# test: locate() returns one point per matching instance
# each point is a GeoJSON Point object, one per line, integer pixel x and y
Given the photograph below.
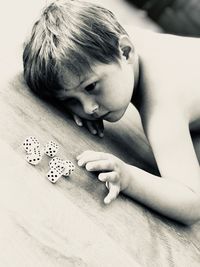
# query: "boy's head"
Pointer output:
{"type": "Point", "coordinates": [72, 35]}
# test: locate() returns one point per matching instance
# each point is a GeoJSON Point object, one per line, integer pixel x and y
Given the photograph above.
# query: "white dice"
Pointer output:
{"type": "Point", "coordinates": [51, 149]}
{"type": "Point", "coordinates": [59, 167]}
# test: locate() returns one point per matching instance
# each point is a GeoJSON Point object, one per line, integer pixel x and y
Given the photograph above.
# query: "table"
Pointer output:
{"type": "Point", "coordinates": [67, 224]}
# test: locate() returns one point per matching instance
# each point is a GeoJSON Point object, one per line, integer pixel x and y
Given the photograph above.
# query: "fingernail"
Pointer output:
{"type": "Point", "coordinates": [88, 167]}
{"type": "Point", "coordinates": [80, 123]}
{"type": "Point", "coordinates": [80, 163]}
{"type": "Point", "coordinates": [100, 179]}
{"type": "Point", "coordinates": [101, 135]}
{"type": "Point", "coordinates": [106, 201]}
{"type": "Point", "coordinates": [94, 131]}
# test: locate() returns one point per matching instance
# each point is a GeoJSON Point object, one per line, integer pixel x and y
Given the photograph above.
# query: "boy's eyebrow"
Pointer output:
{"type": "Point", "coordinates": [81, 82]}
{"type": "Point", "coordinates": [63, 97]}
{"type": "Point", "coordinates": [68, 87]}
{"type": "Point", "coordinates": [86, 80]}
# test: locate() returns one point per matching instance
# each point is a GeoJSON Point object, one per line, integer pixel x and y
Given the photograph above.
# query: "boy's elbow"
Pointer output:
{"type": "Point", "coordinates": [192, 213]}
{"type": "Point", "coordinates": [190, 221]}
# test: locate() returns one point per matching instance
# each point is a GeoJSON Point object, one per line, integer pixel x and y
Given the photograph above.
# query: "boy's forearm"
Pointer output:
{"type": "Point", "coordinates": [166, 196]}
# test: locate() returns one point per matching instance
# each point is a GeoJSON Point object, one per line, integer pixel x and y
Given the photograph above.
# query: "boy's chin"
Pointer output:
{"type": "Point", "coordinates": [111, 119]}
{"type": "Point", "coordinates": [114, 116]}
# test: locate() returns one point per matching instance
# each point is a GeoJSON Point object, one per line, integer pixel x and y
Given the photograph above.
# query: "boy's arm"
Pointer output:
{"type": "Point", "coordinates": [169, 136]}
{"type": "Point", "coordinates": [164, 195]}
{"type": "Point", "coordinates": [176, 193]}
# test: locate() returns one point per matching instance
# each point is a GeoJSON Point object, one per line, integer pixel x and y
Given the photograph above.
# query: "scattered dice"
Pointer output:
{"type": "Point", "coordinates": [54, 174]}
{"type": "Point", "coordinates": [33, 150]}
{"type": "Point", "coordinates": [56, 162]}
{"type": "Point", "coordinates": [69, 167]}
{"type": "Point", "coordinates": [51, 149]}
{"type": "Point", "coordinates": [59, 167]}
{"type": "Point", "coordinates": [35, 157]}
{"type": "Point", "coordinates": [30, 143]}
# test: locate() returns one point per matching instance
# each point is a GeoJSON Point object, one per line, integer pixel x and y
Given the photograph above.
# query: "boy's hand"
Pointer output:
{"type": "Point", "coordinates": [112, 170]}
{"type": "Point", "coordinates": [94, 127]}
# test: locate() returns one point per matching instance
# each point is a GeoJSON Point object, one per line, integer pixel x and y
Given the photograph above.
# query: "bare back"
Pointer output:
{"type": "Point", "coordinates": [170, 72]}
{"type": "Point", "coordinates": [170, 102]}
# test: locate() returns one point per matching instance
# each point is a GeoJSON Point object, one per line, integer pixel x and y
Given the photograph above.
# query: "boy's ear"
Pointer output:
{"type": "Point", "coordinates": [126, 48]}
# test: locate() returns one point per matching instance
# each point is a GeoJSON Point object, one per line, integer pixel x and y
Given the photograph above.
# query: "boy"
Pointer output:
{"type": "Point", "coordinates": [79, 54]}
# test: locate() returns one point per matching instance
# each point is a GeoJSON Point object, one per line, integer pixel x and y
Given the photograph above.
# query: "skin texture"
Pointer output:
{"type": "Point", "coordinates": [113, 169]}
{"type": "Point", "coordinates": [90, 97]}
{"type": "Point", "coordinates": [167, 98]}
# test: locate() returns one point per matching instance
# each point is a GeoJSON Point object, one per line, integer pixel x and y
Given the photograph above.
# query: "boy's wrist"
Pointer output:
{"type": "Point", "coordinates": [128, 178]}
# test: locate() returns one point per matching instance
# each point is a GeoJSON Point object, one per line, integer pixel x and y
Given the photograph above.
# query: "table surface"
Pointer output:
{"type": "Point", "coordinates": [67, 224]}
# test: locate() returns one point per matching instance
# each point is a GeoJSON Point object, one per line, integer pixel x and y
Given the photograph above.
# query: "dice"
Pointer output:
{"type": "Point", "coordinates": [56, 162]}
{"type": "Point", "coordinates": [34, 154]}
{"type": "Point", "coordinates": [51, 149]}
{"type": "Point", "coordinates": [59, 167]}
{"type": "Point", "coordinates": [30, 143]}
{"type": "Point", "coordinates": [35, 157]}
{"type": "Point", "coordinates": [54, 174]}
{"type": "Point", "coordinates": [33, 150]}
{"type": "Point", "coordinates": [68, 167]}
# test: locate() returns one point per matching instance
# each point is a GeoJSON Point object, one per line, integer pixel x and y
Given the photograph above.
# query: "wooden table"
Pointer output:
{"type": "Point", "coordinates": [67, 224]}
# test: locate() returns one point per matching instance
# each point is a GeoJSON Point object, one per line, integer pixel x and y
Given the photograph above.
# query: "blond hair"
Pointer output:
{"type": "Point", "coordinates": [71, 34]}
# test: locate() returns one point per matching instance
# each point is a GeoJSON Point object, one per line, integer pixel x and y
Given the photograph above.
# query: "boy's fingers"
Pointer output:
{"type": "Point", "coordinates": [99, 165]}
{"type": "Point", "coordinates": [113, 193]}
{"type": "Point", "coordinates": [91, 127]}
{"type": "Point", "coordinates": [90, 155]}
{"type": "Point", "coordinates": [77, 120]}
{"type": "Point", "coordinates": [95, 127]}
{"type": "Point", "coordinates": [100, 128]}
{"type": "Point", "coordinates": [108, 176]}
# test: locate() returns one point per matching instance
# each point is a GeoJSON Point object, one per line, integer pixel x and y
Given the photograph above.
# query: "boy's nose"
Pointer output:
{"type": "Point", "coordinates": [90, 107]}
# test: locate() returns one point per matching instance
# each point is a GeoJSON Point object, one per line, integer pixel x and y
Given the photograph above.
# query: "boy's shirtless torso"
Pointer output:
{"type": "Point", "coordinates": [170, 68]}
{"type": "Point", "coordinates": [170, 103]}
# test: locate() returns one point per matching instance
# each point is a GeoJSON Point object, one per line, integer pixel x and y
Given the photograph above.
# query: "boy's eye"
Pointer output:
{"type": "Point", "coordinates": [90, 87]}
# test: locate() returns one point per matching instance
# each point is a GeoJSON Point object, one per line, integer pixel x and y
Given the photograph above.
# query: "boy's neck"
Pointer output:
{"type": "Point", "coordinates": [136, 97]}
{"type": "Point", "coordinates": [136, 69]}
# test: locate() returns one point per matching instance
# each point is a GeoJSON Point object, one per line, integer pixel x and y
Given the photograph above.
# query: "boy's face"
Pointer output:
{"type": "Point", "coordinates": [103, 93]}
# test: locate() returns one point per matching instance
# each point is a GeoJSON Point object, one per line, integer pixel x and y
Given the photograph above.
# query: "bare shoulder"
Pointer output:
{"type": "Point", "coordinates": [169, 71]}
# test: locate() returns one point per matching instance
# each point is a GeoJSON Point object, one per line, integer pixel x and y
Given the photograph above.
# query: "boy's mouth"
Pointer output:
{"type": "Point", "coordinates": [97, 116]}
{"type": "Point", "coordinates": [105, 115]}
